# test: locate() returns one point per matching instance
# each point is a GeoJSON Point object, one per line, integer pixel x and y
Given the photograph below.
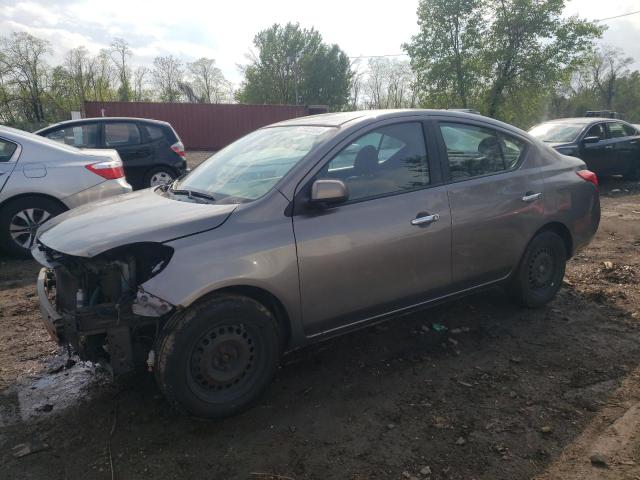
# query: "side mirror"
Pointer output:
{"type": "Point", "coordinates": [591, 139]}
{"type": "Point", "coordinates": [329, 192]}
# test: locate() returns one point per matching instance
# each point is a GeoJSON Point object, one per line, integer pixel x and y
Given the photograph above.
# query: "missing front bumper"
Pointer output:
{"type": "Point", "coordinates": [111, 334]}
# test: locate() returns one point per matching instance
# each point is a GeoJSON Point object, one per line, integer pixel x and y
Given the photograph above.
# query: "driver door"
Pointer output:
{"type": "Point", "coordinates": [370, 255]}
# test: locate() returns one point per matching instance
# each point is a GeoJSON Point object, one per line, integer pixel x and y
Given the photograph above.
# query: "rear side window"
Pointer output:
{"type": "Point", "coordinates": [80, 136]}
{"type": "Point", "coordinates": [387, 160]}
{"type": "Point", "coordinates": [629, 130]}
{"type": "Point", "coordinates": [475, 151]}
{"type": "Point", "coordinates": [119, 134]}
{"type": "Point", "coordinates": [616, 130]}
{"type": "Point", "coordinates": [7, 149]}
{"type": "Point", "coordinates": [155, 133]}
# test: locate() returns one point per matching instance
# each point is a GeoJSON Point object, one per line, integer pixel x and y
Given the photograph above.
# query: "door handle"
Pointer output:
{"type": "Point", "coordinates": [425, 219]}
{"type": "Point", "coordinates": [531, 197]}
{"type": "Point", "coordinates": [608, 147]}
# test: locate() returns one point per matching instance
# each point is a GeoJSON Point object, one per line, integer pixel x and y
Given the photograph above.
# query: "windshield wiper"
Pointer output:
{"type": "Point", "coordinates": [193, 194]}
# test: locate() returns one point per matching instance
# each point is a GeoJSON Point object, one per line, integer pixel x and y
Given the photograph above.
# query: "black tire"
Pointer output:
{"type": "Point", "coordinates": [217, 357]}
{"type": "Point", "coordinates": [12, 214]}
{"type": "Point", "coordinates": [541, 270]}
{"type": "Point", "coordinates": [160, 171]}
{"type": "Point", "coordinates": [634, 171]}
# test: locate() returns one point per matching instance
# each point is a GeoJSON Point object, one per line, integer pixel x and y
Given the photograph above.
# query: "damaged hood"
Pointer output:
{"type": "Point", "coordinates": [143, 216]}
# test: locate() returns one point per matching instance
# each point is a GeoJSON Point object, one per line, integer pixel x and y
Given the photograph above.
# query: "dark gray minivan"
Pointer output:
{"type": "Point", "coordinates": [306, 229]}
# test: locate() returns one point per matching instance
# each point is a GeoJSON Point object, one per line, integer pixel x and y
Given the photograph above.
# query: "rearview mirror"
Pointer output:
{"type": "Point", "coordinates": [591, 139]}
{"type": "Point", "coordinates": [329, 192]}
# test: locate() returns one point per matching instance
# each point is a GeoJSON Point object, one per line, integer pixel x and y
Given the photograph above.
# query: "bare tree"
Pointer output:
{"type": "Point", "coordinates": [608, 66]}
{"type": "Point", "coordinates": [167, 75]}
{"type": "Point", "coordinates": [389, 84]}
{"type": "Point", "coordinates": [208, 82]}
{"type": "Point", "coordinates": [77, 64]}
{"type": "Point", "coordinates": [120, 53]}
{"type": "Point", "coordinates": [139, 82]}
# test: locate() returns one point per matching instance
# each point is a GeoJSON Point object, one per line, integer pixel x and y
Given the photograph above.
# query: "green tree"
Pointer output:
{"type": "Point", "coordinates": [502, 57]}
{"type": "Point", "coordinates": [445, 53]}
{"type": "Point", "coordinates": [294, 66]}
{"type": "Point", "coordinates": [530, 46]}
{"type": "Point", "coordinates": [24, 60]}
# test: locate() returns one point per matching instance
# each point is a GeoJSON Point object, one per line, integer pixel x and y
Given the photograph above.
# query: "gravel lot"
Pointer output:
{"type": "Point", "coordinates": [504, 393]}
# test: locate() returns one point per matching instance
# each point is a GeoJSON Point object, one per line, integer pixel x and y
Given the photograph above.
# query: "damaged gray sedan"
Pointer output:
{"type": "Point", "coordinates": [303, 230]}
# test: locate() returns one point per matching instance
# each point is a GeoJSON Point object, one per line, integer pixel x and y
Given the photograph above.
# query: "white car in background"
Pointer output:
{"type": "Point", "coordinates": [40, 178]}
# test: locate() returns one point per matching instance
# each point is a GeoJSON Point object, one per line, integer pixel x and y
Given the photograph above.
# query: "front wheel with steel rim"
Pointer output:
{"type": "Point", "coordinates": [541, 270]}
{"type": "Point", "coordinates": [218, 356]}
{"type": "Point", "coordinates": [20, 220]}
{"type": "Point", "coordinates": [159, 176]}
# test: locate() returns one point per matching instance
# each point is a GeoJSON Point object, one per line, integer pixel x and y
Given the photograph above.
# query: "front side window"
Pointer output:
{"type": "Point", "coordinates": [80, 136]}
{"type": "Point", "coordinates": [388, 160]}
{"type": "Point", "coordinates": [250, 167]}
{"type": "Point", "coordinates": [475, 151]}
{"type": "Point", "coordinates": [597, 130]}
{"type": "Point", "coordinates": [119, 134]}
{"type": "Point", "coordinates": [7, 149]}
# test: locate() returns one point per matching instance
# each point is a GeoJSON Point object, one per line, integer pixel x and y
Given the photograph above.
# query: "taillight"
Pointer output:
{"type": "Point", "coordinates": [588, 176]}
{"type": "Point", "coordinates": [178, 147]}
{"type": "Point", "coordinates": [109, 170]}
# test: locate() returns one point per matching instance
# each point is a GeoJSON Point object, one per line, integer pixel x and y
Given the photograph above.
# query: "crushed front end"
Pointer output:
{"type": "Point", "coordinates": [97, 306]}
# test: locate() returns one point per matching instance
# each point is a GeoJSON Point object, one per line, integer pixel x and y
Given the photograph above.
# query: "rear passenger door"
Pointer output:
{"type": "Point", "coordinates": [495, 193]}
{"type": "Point", "coordinates": [132, 145]}
{"type": "Point", "coordinates": [626, 147]}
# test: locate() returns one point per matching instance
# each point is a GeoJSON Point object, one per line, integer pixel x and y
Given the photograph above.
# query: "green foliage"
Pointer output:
{"type": "Point", "coordinates": [294, 66]}
{"type": "Point", "coordinates": [501, 57]}
{"type": "Point", "coordinates": [445, 53]}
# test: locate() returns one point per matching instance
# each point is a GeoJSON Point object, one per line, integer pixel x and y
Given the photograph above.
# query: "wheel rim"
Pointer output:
{"type": "Point", "coordinates": [541, 269]}
{"type": "Point", "coordinates": [222, 359]}
{"type": "Point", "coordinates": [160, 178]}
{"type": "Point", "coordinates": [24, 225]}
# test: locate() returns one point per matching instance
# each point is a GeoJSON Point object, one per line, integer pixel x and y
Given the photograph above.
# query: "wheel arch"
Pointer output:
{"type": "Point", "coordinates": [562, 231]}
{"type": "Point", "coordinates": [262, 296]}
{"type": "Point", "coordinates": [20, 196]}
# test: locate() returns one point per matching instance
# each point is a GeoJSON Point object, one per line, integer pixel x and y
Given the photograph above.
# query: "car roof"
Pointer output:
{"type": "Point", "coordinates": [340, 119]}
{"type": "Point", "coordinates": [583, 120]}
{"type": "Point", "coordinates": [104, 120]}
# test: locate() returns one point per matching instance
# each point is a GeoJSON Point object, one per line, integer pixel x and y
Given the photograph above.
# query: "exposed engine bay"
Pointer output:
{"type": "Point", "coordinates": [97, 306]}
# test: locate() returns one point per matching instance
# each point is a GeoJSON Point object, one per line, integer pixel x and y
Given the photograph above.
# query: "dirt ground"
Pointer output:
{"type": "Point", "coordinates": [504, 393]}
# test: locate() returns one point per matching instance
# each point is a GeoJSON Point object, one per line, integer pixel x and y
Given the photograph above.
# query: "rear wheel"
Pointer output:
{"type": "Point", "coordinates": [20, 220]}
{"type": "Point", "coordinates": [159, 176]}
{"type": "Point", "coordinates": [216, 358]}
{"type": "Point", "coordinates": [539, 276]}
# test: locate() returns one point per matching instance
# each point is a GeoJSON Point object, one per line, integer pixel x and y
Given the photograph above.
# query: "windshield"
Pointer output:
{"type": "Point", "coordinates": [557, 132]}
{"type": "Point", "coordinates": [251, 166]}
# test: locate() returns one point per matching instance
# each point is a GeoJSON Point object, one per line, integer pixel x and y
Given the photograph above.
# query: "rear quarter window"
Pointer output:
{"type": "Point", "coordinates": [7, 149]}
{"type": "Point", "coordinates": [154, 132]}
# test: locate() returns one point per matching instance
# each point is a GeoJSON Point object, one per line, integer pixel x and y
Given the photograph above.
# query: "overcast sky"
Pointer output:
{"type": "Point", "coordinates": [224, 30]}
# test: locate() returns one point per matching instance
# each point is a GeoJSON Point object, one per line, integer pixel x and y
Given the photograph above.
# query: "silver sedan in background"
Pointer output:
{"type": "Point", "coordinates": [40, 178]}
